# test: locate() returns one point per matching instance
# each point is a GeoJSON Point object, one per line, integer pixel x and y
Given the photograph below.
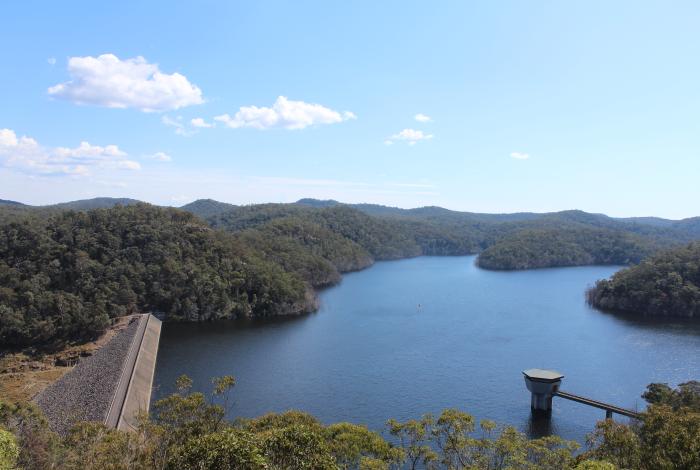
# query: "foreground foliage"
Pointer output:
{"type": "Point", "coordinates": [188, 431]}
{"type": "Point", "coordinates": [667, 437]}
{"type": "Point", "coordinates": [668, 284]}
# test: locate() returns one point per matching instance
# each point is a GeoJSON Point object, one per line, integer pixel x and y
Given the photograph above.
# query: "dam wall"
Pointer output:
{"type": "Point", "coordinates": [111, 386]}
{"type": "Point", "coordinates": [132, 395]}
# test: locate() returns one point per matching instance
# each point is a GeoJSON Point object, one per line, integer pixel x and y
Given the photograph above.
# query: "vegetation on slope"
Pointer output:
{"type": "Point", "coordinates": [666, 437]}
{"type": "Point", "coordinates": [520, 239]}
{"type": "Point", "coordinates": [64, 277]}
{"type": "Point", "coordinates": [188, 430]}
{"type": "Point", "coordinates": [528, 240]}
{"type": "Point", "coordinates": [313, 251]}
{"type": "Point", "coordinates": [668, 284]}
{"type": "Point", "coordinates": [533, 248]}
{"type": "Point", "coordinates": [65, 274]}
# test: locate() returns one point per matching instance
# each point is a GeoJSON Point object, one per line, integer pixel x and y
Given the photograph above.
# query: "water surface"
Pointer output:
{"type": "Point", "coordinates": [413, 336]}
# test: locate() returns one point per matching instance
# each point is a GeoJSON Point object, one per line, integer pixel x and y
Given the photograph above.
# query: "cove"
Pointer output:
{"type": "Point", "coordinates": [407, 337]}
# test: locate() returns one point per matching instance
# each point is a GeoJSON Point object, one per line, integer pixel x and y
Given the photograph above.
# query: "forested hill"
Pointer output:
{"type": "Point", "coordinates": [7, 202]}
{"type": "Point", "coordinates": [63, 277]}
{"type": "Point", "coordinates": [319, 243]}
{"type": "Point", "coordinates": [505, 241]}
{"type": "Point", "coordinates": [64, 273]}
{"type": "Point", "coordinates": [667, 284]}
{"type": "Point", "coordinates": [541, 248]}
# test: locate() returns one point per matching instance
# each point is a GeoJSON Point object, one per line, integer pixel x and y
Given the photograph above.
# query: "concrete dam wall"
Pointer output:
{"type": "Point", "coordinates": [112, 386]}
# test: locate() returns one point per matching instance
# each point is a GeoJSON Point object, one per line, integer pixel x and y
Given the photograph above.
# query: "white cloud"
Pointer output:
{"type": "Point", "coordinates": [420, 117]}
{"type": "Point", "coordinates": [27, 155]}
{"type": "Point", "coordinates": [108, 81]}
{"type": "Point", "coordinates": [161, 157]}
{"type": "Point", "coordinates": [51, 60]}
{"type": "Point", "coordinates": [128, 165]}
{"type": "Point", "coordinates": [179, 125]}
{"type": "Point", "coordinates": [200, 123]}
{"type": "Point", "coordinates": [87, 151]}
{"type": "Point", "coordinates": [520, 155]}
{"type": "Point", "coordinates": [285, 114]}
{"type": "Point", "coordinates": [412, 136]}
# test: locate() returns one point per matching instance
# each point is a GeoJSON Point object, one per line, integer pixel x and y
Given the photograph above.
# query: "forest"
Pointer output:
{"type": "Point", "coordinates": [66, 271]}
{"type": "Point", "coordinates": [543, 248]}
{"type": "Point", "coordinates": [667, 284]}
{"type": "Point", "coordinates": [63, 278]}
{"type": "Point", "coordinates": [189, 430]}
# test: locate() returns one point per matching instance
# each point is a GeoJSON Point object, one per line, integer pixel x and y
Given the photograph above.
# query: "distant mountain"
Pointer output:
{"type": "Point", "coordinates": [207, 207]}
{"type": "Point", "coordinates": [95, 203]}
{"type": "Point", "coordinates": [318, 202]}
{"type": "Point", "coordinates": [6, 202]}
{"type": "Point", "coordinates": [655, 221]}
{"type": "Point", "coordinates": [691, 226]}
{"type": "Point", "coordinates": [507, 241]}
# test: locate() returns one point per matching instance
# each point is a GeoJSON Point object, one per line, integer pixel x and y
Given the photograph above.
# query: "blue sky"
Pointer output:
{"type": "Point", "coordinates": [532, 106]}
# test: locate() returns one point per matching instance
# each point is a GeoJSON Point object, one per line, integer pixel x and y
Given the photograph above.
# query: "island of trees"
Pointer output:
{"type": "Point", "coordinates": [667, 284]}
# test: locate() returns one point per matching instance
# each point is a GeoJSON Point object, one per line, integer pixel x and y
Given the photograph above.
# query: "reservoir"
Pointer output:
{"type": "Point", "coordinates": [408, 337]}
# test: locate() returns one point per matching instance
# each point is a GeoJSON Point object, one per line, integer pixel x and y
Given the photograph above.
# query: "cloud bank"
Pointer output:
{"type": "Point", "coordinates": [27, 155]}
{"type": "Point", "coordinates": [284, 114]}
{"type": "Point", "coordinates": [108, 81]}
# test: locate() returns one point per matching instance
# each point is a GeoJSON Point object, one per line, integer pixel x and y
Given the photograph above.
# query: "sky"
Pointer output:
{"type": "Point", "coordinates": [475, 106]}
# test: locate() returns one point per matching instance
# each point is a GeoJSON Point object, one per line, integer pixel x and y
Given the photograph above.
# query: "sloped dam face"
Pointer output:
{"type": "Point", "coordinates": [408, 337]}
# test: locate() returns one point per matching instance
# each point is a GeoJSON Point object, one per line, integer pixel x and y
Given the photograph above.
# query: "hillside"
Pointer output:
{"type": "Point", "coordinates": [667, 284]}
{"type": "Point", "coordinates": [65, 273]}
{"type": "Point", "coordinates": [505, 241]}
{"type": "Point", "coordinates": [63, 278]}
{"type": "Point", "coordinates": [541, 248]}
{"type": "Point", "coordinates": [508, 241]}
{"type": "Point", "coordinates": [207, 207]}
{"type": "Point", "coordinates": [95, 203]}
{"type": "Point", "coordinates": [7, 202]}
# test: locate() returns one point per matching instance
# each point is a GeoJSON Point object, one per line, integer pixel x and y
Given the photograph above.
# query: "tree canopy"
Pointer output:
{"type": "Point", "coordinates": [65, 277]}
{"type": "Point", "coordinates": [667, 284]}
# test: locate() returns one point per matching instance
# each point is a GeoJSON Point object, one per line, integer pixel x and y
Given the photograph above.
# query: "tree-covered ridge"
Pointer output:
{"type": "Point", "coordinates": [504, 241]}
{"type": "Point", "coordinates": [64, 277]}
{"type": "Point", "coordinates": [541, 248]}
{"type": "Point", "coordinates": [668, 284]}
{"type": "Point", "coordinates": [382, 238]}
{"type": "Point", "coordinates": [207, 207]}
{"type": "Point", "coordinates": [313, 251]}
{"type": "Point", "coordinates": [439, 231]}
{"type": "Point", "coordinates": [64, 274]}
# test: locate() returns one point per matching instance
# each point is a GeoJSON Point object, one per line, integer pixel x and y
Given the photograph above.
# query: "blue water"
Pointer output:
{"type": "Point", "coordinates": [408, 337]}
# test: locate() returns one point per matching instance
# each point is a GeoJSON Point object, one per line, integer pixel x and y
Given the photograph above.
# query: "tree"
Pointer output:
{"type": "Point", "coordinates": [9, 451]}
